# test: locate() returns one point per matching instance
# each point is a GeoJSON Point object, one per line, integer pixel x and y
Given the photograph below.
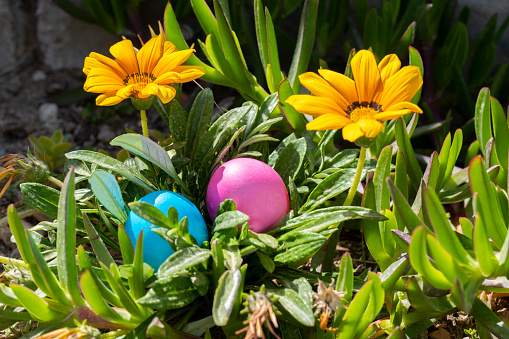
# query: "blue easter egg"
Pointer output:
{"type": "Point", "coordinates": [155, 249]}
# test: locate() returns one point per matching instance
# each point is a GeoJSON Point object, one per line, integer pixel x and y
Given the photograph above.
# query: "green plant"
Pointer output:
{"type": "Point", "coordinates": [51, 150]}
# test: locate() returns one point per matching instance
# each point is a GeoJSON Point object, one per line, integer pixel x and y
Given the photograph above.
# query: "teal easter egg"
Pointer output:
{"type": "Point", "coordinates": [155, 249]}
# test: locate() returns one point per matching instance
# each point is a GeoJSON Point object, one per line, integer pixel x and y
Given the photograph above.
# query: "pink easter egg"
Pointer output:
{"type": "Point", "coordinates": [256, 188]}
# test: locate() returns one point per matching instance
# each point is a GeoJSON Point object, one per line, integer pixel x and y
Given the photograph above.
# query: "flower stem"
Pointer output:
{"type": "Point", "coordinates": [330, 251]}
{"type": "Point", "coordinates": [144, 125]}
{"type": "Point", "coordinates": [55, 181]}
{"type": "Point", "coordinates": [356, 178]}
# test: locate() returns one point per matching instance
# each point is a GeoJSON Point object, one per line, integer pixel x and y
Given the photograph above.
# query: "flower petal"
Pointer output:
{"type": "Point", "coordinates": [101, 80]}
{"type": "Point", "coordinates": [366, 76]}
{"type": "Point", "coordinates": [169, 48]}
{"type": "Point", "coordinates": [108, 99]}
{"type": "Point", "coordinates": [389, 66]}
{"type": "Point", "coordinates": [370, 127]}
{"type": "Point", "coordinates": [150, 54]}
{"type": "Point", "coordinates": [185, 76]}
{"type": "Point", "coordinates": [404, 104]}
{"type": "Point", "coordinates": [389, 115]}
{"type": "Point", "coordinates": [313, 105]}
{"type": "Point", "coordinates": [165, 93]}
{"type": "Point", "coordinates": [402, 86]}
{"type": "Point", "coordinates": [343, 84]}
{"type": "Point", "coordinates": [96, 60]}
{"type": "Point", "coordinates": [352, 132]}
{"type": "Point", "coordinates": [127, 91]}
{"type": "Point", "coordinates": [320, 87]}
{"type": "Point", "coordinates": [123, 52]}
{"type": "Point", "coordinates": [328, 121]}
{"type": "Point", "coordinates": [170, 61]}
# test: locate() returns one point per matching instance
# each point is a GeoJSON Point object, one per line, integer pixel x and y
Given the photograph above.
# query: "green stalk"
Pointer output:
{"type": "Point", "coordinates": [144, 124]}
{"type": "Point", "coordinates": [334, 238]}
{"type": "Point", "coordinates": [356, 178]}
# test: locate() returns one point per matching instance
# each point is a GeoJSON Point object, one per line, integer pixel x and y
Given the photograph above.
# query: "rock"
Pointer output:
{"type": "Point", "coordinates": [39, 76]}
{"type": "Point", "coordinates": [13, 35]}
{"type": "Point", "coordinates": [48, 112]}
{"type": "Point", "coordinates": [64, 40]}
{"type": "Point", "coordinates": [105, 134]}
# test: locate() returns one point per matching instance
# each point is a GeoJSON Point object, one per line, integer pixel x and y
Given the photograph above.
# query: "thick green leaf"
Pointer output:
{"type": "Point", "coordinates": [97, 303]}
{"type": "Point", "coordinates": [487, 203]}
{"type": "Point", "coordinates": [443, 229]}
{"type": "Point", "coordinates": [66, 240]}
{"type": "Point", "coordinates": [421, 302]}
{"type": "Point", "coordinates": [305, 42]}
{"type": "Point", "coordinates": [106, 189]}
{"type": "Point", "coordinates": [302, 251]}
{"type": "Point", "coordinates": [488, 262]}
{"type": "Point", "coordinates": [382, 171]}
{"type": "Point", "coordinates": [488, 319]}
{"type": "Point", "coordinates": [37, 307]}
{"type": "Point", "coordinates": [501, 132]}
{"type": "Point", "coordinates": [416, 60]}
{"type": "Point", "coordinates": [54, 287]}
{"type": "Point", "coordinates": [170, 294]}
{"type": "Point", "coordinates": [295, 118]}
{"type": "Point", "coordinates": [414, 170]}
{"type": "Point", "coordinates": [402, 208]}
{"type": "Point", "coordinates": [421, 263]}
{"type": "Point", "coordinates": [482, 118]}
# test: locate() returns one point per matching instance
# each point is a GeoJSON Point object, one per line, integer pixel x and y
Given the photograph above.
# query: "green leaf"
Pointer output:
{"type": "Point", "coordinates": [302, 251]}
{"type": "Point", "coordinates": [106, 293]}
{"type": "Point", "coordinates": [355, 312]}
{"type": "Point", "coordinates": [482, 118]}
{"type": "Point", "coordinates": [332, 186]}
{"type": "Point", "coordinates": [403, 209]}
{"type": "Point", "coordinates": [421, 302]}
{"type": "Point", "coordinates": [66, 240]}
{"type": "Point", "coordinates": [501, 132]}
{"type": "Point", "coordinates": [151, 214]}
{"type": "Point", "coordinates": [290, 159]}
{"type": "Point", "coordinates": [261, 33]}
{"type": "Point", "coordinates": [406, 39]}
{"type": "Point", "coordinates": [266, 261]}
{"type": "Point", "coordinates": [106, 189]}
{"type": "Point", "coordinates": [225, 295]}
{"type": "Point", "coordinates": [291, 301]}
{"type": "Point", "coordinates": [41, 197]}
{"type": "Point", "coordinates": [488, 262]}
{"type": "Point", "coordinates": [113, 165]}
{"type": "Point", "coordinates": [487, 203]}
{"type": "Point", "coordinates": [54, 288]}
{"type": "Point", "coordinates": [295, 118]}
{"type": "Point", "coordinates": [443, 229]}
{"type": "Point", "coordinates": [126, 246]}
{"type": "Point", "coordinates": [421, 263]}
{"type": "Point", "coordinates": [304, 45]}
{"type": "Point", "coordinates": [170, 294]}
{"type": "Point", "coordinates": [182, 260]}
{"type": "Point", "coordinates": [137, 281]}
{"type": "Point", "coordinates": [150, 151]}
{"type": "Point", "coordinates": [229, 219]}
{"type": "Point", "coordinates": [37, 307]}
{"type": "Point", "coordinates": [416, 60]}
{"type": "Point", "coordinates": [415, 172]}
{"type": "Point", "coordinates": [231, 50]}
{"type": "Point", "coordinates": [97, 303]}
{"type": "Point", "coordinates": [488, 319]}
{"type": "Point", "coordinates": [382, 171]}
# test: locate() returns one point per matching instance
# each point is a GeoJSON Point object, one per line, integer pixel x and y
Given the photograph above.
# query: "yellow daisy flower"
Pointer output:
{"type": "Point", "coordinates": [377, 93]}
{"type": "Point", "coordinates": [138, 75]}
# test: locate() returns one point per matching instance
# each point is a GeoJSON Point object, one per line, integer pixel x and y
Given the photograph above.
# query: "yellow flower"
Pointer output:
{"type": "Point", "coordinates": [377, 93]}
{"type": "Point", "coordinates": [138, 75]}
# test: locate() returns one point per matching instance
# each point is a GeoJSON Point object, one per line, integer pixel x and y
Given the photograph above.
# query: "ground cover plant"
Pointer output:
{"type": "Point", "coordinates": [226, 225]}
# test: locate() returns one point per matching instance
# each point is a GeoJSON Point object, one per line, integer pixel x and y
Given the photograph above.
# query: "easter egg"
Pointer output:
{"type": "Point", "coordinates": [256, 188]}
{"type": "Point", "coordinates": [155, 249]}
